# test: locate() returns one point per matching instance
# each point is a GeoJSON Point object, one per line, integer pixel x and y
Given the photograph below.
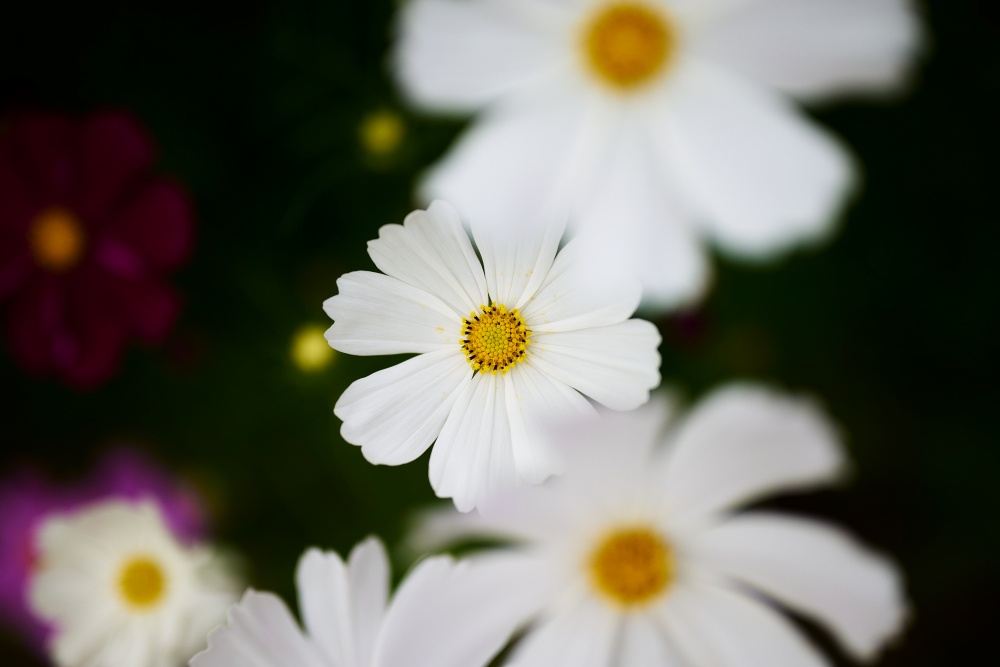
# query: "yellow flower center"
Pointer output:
{"type": "Point", "coordinates": [142, 582]}
{"type": "Point", "coordinates": [56, 238]}
{"type": "Point", "coordinates": [628, 43]}
{"type": "Point", "coordinates": [495, 339]}
{"type": "Point", "coordinates": [632, 566]}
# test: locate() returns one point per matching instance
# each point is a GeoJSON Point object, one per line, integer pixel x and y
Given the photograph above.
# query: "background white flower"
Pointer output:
{"type": "Point", "coordinates": [444, 614]}
{"type": "Point", "coordinates": [639, 558]}
{"type": "Point", "coordinates": [658, 124]}
{"type": "Point", "coordinates": [120, 590]}
{"type": "Point", "coordinates": [503, 346]}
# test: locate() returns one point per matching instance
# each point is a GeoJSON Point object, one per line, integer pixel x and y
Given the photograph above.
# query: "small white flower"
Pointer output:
{"type": "Point", "coordinates": [640, 558]}
{"type": "Point", "coordinates": [120, 590]}
{"type": "Point", "coordinates": [659, 124]}
{"type": "Point", "coordinates": [500, 350]}
{"type": "Point", "coordinates": [444, 614]}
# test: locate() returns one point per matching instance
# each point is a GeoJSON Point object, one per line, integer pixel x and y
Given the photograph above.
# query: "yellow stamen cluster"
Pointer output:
{"type": "Point", "coordinates": [632, 566]}
{"type": "Point", "coordinates": [142, 582]}
{"type": "Point", "coordinates": [495, 339]}
{"type": "Point", "coordinates": [628, 43]}
{"type": "Point", "coordinates": [56, 239]}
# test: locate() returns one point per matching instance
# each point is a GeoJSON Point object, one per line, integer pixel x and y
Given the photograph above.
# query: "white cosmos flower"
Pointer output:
{"type": "Point", "coordinates": [641, 558]}
{"type": "Point", "coordinates": [502, 346]}
{"type": "Point", "coordinates": [444, 614]}
{"type": "Point", "coordinates": [122, 592]}
{"type": "Point", "coordinates": [659, 124]}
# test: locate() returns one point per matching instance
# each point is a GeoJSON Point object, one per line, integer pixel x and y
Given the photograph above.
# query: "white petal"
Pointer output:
{"type": "Point", "coordinates": [396, 413]}
{"type": "Point", "coordinates": [743, 442]}
{"type": "Point", "coordinates": [817, 48]}
{"type": "Point", "coordinates": [261, 633]}
{"type": "Point", "coordinates": [644, 644]}
{"type": "Point", "coordinates": [458, 56]}
{"type": "Point", "coordinates": [582, 636]}
{"type": "Point", "coordinates": [377, 314]}
{"type": "Point", "coordinates": [636, 220]}
{"type": "Point", "coordinates": [368, 570]}
{"type": "Point", "coordinates": [763, 177]}
{"type": "Point", "coordinates": [431, 251]}
{"type": "Point", "coordinates": [575, 296]}
{"type": "Point", "coordinates": [473, 456]}
{"type": "Point", "coordinates": [342, 605]}
{"type": "Point", "coordinates": [449, 614]}
{"type": "Point", "coordinates": [615, 365]}
{"type": "Point", "coordinates": [519, 161]}
{"type": "Point", "coordinates": [610, 462]}
{"type": "Point", "coordinates": [517, 261]}
{"type": "Point", "coordinates": [714, 626]}
{"type": "Point", "coordinates": [817, 570]}
{"type": "Point", "coordinates": [536, 403]}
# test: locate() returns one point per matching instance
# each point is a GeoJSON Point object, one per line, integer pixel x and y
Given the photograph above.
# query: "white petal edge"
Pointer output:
{"type": "Point", "coordinates": [432, 251]}
{"type": "Point", "coordinates": [743, 442]}
{"type": "Point", "coordinates": [615, 365]}
{"type": "Point", "coordinates": [396, 413]}
{"type": "Point", "coordinates": [815, 569]}
{"type": "Point", "coordinates": [261, 633]}
{"type": "Point", "coordinates": [377, 314]}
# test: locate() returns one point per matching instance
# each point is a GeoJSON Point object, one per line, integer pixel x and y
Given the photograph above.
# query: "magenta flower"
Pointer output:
{"type": "Point", "coordinates": [87, 236]}
{"type": "Point", "coordinates": [27, 498]}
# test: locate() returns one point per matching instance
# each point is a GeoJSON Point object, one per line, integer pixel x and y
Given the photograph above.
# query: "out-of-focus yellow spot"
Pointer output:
{"type": "Point", "coordinates": [310, 351]}
{"type": "Point", "coordinates": [628, 43]}
{"type": "Point", "coordinates": [632, 566]}
{"type": "Point", "coordinates": [56, 239]}
{"type": "Point", "coordinates": [142, 582]}
{"type": "Point", "coordinates": [382, 132]}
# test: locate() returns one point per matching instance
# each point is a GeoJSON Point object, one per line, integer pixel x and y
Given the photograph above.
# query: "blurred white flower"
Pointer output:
{"type": "Point", "coordinates": [658, 124]}
{"type": "Point", "coordinates": [639, 558]}
{"type": "Point", "coordinates": [121, 591]}
{"type": "Point", "coordinates": [499, 349]}
{"type": "Point", "coordinates": [444, 614]}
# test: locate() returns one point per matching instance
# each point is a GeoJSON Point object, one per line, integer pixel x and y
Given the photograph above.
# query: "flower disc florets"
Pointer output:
{"type": "Point", "coordinates": [495, 339]}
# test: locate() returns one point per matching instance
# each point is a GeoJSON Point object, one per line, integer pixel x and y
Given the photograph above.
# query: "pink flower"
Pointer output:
{"type": "Point", "coordinates": [27, 498]}
{"type": "Point", "coordinates": [87, 236]}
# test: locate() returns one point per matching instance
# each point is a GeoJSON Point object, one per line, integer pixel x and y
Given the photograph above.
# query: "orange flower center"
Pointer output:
{"type": "Point", "coordinates": [632, 566]}
{"type": "Point", "coordinates": [628, 43]}
{"type": "Point", "coordinates": [56, 238]}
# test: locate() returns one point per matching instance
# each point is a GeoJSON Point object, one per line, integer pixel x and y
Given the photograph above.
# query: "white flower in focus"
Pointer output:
{"type": "Point", "coordinates": [640, 557]}
{"type": "Point", "coordinates": [444, 614]}
{"type": "Point", "coordinates": [502, 346]}
{"type": "Point", "coordinates": [120, 590]}
{"type": "Point", "coordinates": [658, 124]}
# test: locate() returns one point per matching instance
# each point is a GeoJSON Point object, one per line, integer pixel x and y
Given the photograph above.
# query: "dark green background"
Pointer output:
{"type": "Point", "coordinates": [894, 324]}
